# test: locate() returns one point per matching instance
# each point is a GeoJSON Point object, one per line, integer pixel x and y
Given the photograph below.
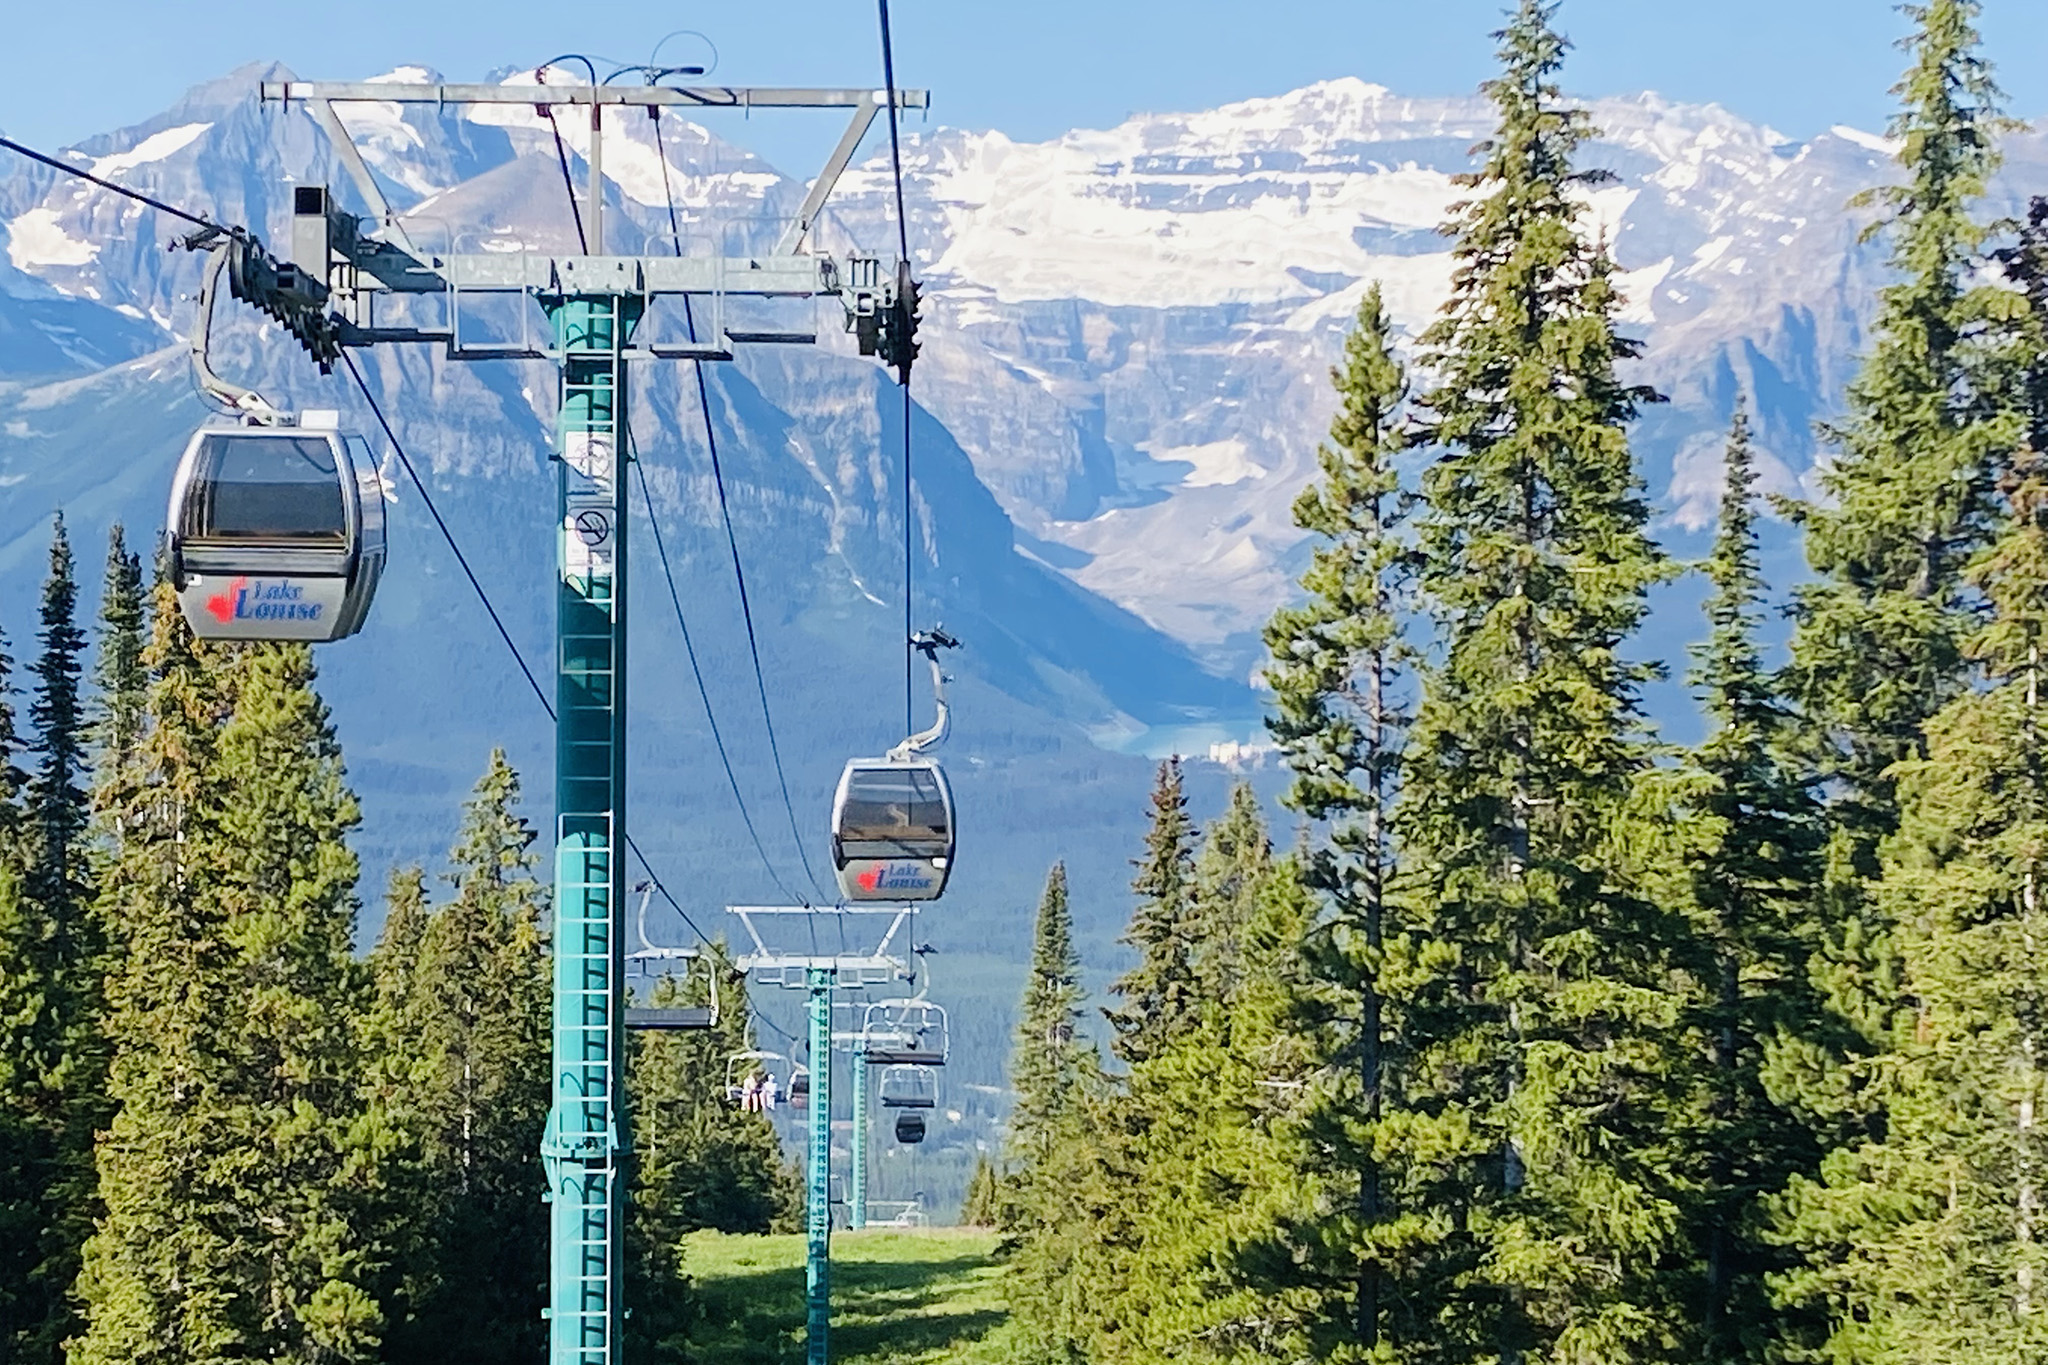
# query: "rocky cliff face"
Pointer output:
{"type": "Point", "coordinates": [1136, 324]}
{"type": "Point", "coordinates": [1124, 378]}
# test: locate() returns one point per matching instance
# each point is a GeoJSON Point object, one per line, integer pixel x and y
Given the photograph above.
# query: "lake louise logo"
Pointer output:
{"type": "Point", "coordinates": [225, 606]}
{"type": "Point", "coordinates": [897, 877]}
{"type": "Point", "coordinates": [271, 601]}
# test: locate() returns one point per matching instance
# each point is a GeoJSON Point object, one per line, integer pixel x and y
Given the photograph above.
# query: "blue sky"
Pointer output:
{"type": "Point", "coordinates": [1032, 68]}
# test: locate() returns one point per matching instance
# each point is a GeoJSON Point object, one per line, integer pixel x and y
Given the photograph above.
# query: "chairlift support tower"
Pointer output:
{"type": "Point", "coordinates": [819, 974]}
{"type": "Point", "coordinates": [594, 302]}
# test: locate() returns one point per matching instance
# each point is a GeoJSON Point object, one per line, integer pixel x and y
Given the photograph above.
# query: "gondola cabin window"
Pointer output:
{"type": "Point", "coordinates": [272, 488]}
{"type": "Point", "coordinates": [895, 811]}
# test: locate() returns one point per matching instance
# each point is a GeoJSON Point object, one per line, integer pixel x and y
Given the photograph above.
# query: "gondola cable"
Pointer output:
{"type": "Point", "coordinates": [732, 543]}
{"type": "Point", "coordinates": [540, 695]}
{"type": "Point", "coordinates": [902, 254]}
{"type": "Point", "coordinates": [697, 672]}
{"type": "Point", "coordinates": [197, 220]}
{"type": "Point", "coordinates": [540, 78]}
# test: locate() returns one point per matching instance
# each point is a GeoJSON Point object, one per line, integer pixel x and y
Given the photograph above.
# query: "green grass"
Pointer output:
{"type": "Point", "coordinates": [898, 1298]}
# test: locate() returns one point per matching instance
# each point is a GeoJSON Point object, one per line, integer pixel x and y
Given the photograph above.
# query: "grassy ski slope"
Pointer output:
{"type": "Point", "coordinates": [898, 1298]}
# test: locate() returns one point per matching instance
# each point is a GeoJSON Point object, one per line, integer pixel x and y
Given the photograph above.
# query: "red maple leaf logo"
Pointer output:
{"type": "Point", "coordinates": [870, 879]}
{"type": "Point", "coordinates": [222, 604]}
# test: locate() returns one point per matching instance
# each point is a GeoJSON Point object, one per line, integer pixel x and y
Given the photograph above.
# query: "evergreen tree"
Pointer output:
{"type": "Point", "coordinates": [1334, 670]}
{"type": "Point", "coordinates": [1072, 1186]}
{"type": "Point", "coordinates": [54, 962]}
{"type": "Point", "coordinates": [1877, 646]}
{"type": "Point", "coordinates": [699, 1163]}
{"type": "Point", "coordinates": [1231, 876]}
{"type": "Point", "coordinates": [983, 1206]}
{"type": "Point", "coordinates": [120, 679]}
{"type": "Point", "coordinates": [1159, 994]}
{"type": "Point", "coordinates": [233, 1171]}
{"type": "Point", "coordinates": [1924, 1244]}
{"type": "Point", "coordinates": [57, 802]}
{"type": "Point", "coordinates": [2025, 266]}
{"type": "Point", "coordinates": [12, 779]}
{"type": "Point", "coordinates": [1544, 1015]}
{"type": "Point", "coordinates": [1051, 1062]}
{"type": "Point", "coordinates": [395, 960]}
{"type": "Point", "coordinates": [1753, 859]}
{"type": "Point", "coordinates": [1212, 1175]}
{"type": "Point", "coordinates": [463, 1024]}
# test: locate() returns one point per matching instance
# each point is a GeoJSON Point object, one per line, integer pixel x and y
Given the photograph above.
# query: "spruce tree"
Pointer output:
{"type": "Point", "coordinates": [1878, 643]}
{"type": "Point", "coordinates": [121, 682]}
{"type": "Point", "coordinates": [1072, 1187]}
{"type": "Point", "coordinates": [1544, 1015]}
{"type": "Point", "coordinates": [1924, 1243]}
{"type": "Point", "coordinates": [1050, 1062]}
{"type": "Point", "coordinates": [1159, 994]}
{"type": "Point", "coordinates": [983, 1205]}
{"type": "Point", "coordinates": [1231, 875]}
{"type": "Point", "coordinates": [234, 1170]}
{"type": "Point", "coordinates": [1335, 669]}
{"type": "Point", "coordinates": [1877, 647]}
{"type": "Point", "coordinates": [1753, 843]}
{"type": "Point", "coordinates": [56, 798]}
{"type": "Point", "coordinates": [1211, 1168]}
{"type": "Point", "coordinates": [52, 986]}
{"type": "Point", "coordinates": [699, 1162]}
{"type": "Point", "coordinates": [2025, 266]}
{"type": "Point", "coordinates": [463, 1025]}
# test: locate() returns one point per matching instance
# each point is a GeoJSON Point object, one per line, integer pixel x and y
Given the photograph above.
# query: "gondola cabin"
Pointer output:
{"type": "Point", "coordinates": [275, 533]}
{"type": "Point", "coordinates": [892, 830]}
{"type": "Point", "coordinates": [910, 1126]}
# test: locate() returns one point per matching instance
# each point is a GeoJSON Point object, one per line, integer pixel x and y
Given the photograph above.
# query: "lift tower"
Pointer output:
{"type": "Point", "coordinates": [594, 302]}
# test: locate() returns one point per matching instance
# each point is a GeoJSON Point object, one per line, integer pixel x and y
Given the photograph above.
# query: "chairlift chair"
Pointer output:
{"type": "Point", "coordinates": [893, 830]}
{"type": "Point", "coordinates": [905, 1033]}
{"type": "Point", "coordinates": [908, 1087]}
{"type": "Point", "coordinates": [737, 1067]}
{"type": "Point", "coordinates": [799, 1087]}
{"type": "Point", "coordinates": [666, 1018]}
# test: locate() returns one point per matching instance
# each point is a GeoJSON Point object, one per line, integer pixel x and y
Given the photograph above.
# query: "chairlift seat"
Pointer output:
{"type": "Point", "coordinates": [905, 1033]}
{"type": "Point", "coordinates": [893, 830]}
{"type": "Point", "coordinates": [667, 1018]}
{"type": "Point", "coordinates": [908, 1087]}
{"type": "Point", "coordinates": [275, 533]}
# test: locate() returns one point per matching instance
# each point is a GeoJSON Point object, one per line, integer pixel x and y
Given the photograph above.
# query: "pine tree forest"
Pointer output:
{"type": "Point", "coordinates": [227, 1134]}
{"type": "Point", "coordinates": [1511, 1031]}
{"type": "Point", "coordinates": [1539, 1037]}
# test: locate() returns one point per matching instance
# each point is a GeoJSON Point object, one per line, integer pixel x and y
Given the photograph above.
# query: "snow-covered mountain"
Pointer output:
{"type": "Point", "coordinates": [1135, 326]}
{"type": "Point", "coordinates": [1124, 378]}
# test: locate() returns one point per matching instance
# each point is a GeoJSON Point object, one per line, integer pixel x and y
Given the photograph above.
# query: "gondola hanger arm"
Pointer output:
{"type": "Point", "coordinates": [929, 643]}
{"type": "Point", "coordinates": [239, 399]}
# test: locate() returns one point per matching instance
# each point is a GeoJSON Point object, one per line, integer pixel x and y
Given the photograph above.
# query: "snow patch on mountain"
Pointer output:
{"type": "Point", "coordinates": [155, 147]}
{"type": "Point", "coordinates": [1883, 146]}
{"type": "Point", "coordinates": [37, 238]}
